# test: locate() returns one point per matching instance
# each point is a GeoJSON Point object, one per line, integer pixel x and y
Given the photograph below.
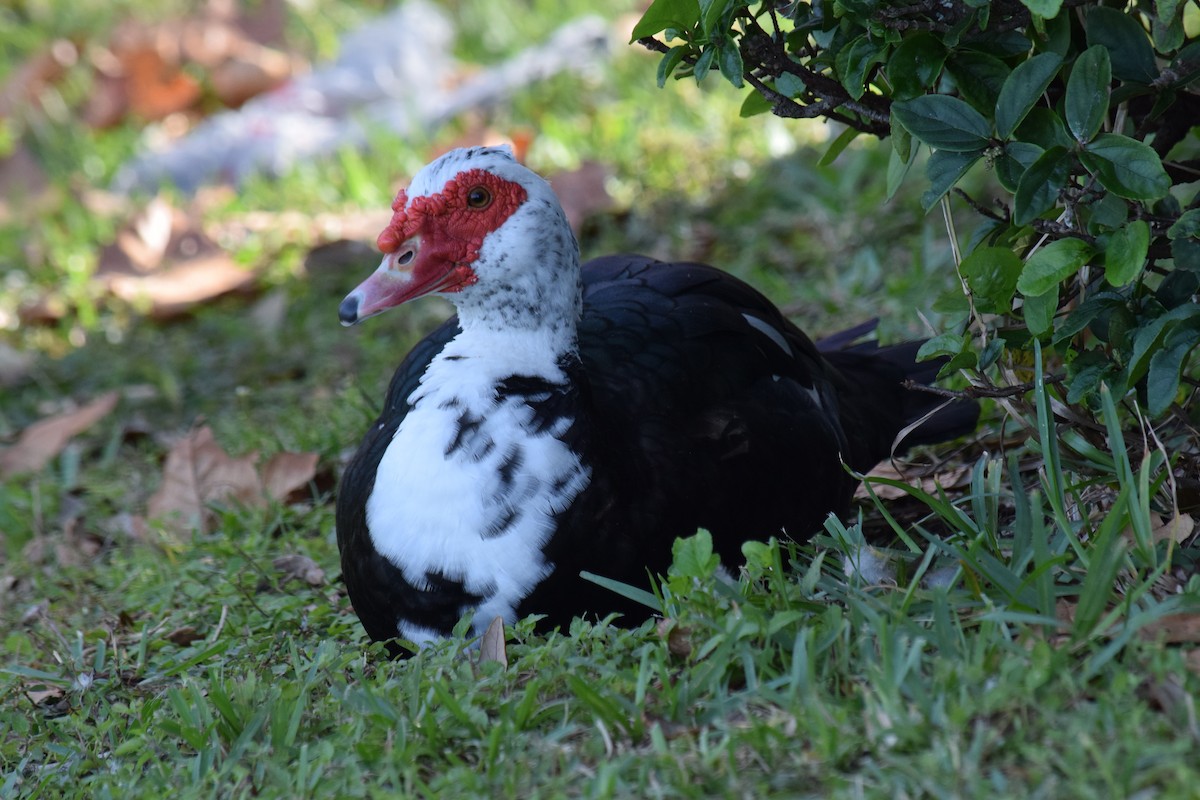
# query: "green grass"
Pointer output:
{"type": "Point", "coordinates": [137, 664]}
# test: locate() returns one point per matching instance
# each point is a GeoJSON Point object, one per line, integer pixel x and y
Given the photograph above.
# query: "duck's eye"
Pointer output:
{"type": "Point", "coordinates": [479, 197]}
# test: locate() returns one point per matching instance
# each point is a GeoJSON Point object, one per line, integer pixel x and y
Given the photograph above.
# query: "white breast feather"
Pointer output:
{"type": "Point", "coordinates": [430, 512]}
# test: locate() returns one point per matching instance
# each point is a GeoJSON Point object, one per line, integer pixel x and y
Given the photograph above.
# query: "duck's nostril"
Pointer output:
{"type": "Point", "coordinates": [406, 257]}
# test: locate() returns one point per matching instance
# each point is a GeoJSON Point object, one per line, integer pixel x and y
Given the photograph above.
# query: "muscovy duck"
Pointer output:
{"type": "Point", "coordinates": [572, 419]}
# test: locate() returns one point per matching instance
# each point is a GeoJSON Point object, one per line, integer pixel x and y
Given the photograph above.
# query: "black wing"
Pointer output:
{"type": "Point", "coordinates": [709, 408]}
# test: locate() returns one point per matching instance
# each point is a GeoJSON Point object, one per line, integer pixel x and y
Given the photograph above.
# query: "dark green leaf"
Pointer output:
{"type": "Point", "coordinates": [704, 63]}
{"type": "Point", "coordinates": [991, 353]}
{"type": "Point", "coordinates": [992, 274]}
{"type": "Point", "coordinates": [1087, 93]}
{"type": "Point", "coordinates": [790, 85]}
{"type": "Point", "coordinates": [1044, 128]}
{"type": "Point", "coordinates": [1046, 9]}
{"type": "Point", "coordinates": [1128, 44]}
{"type": "Point", "coordinates": [943, 123]}
{"type": "Point", "coordinates": [979, 77]}
{"type": "Point", "coordinates": [1186, 253]}
{"type": "Point", "coordinates": [1186, 65]}
{"type": "Point", "coordinates": [1085, 374]}
{"type": "Point", "coordinates": [1177, 288]}
{"type": "Point", "coordinates": [1126, 167]}
{"type": "Point", "coordinates": [854, 61]}
{"type": "Point", "coordinates": [915, 64]}
{"type": "Point", "coordinates": [1126, 252]}
{"type": "Point", "coordinates": [730, 61]}
{"type": "Point", "coordinates": [663, 14]}
{"type": "Point", "coordinates": [1052, 264]}
{"type": "Point", "coordinates": [901, 141]}
{"type": "Point", "coordinates": [1167, 25]}
{"type": "Point", "coordinates": [710, 15]}
{"type": "Point", "coordinates": [1085, 313]}
{"type": "Point", "coordinates": [943, 169]}
{"type": "Point", "coordinates": [753, 105]}
{"type": "Point", "coordinates": [1039, 312]}
{"type": "Point", "coordinates": [944, 344]}
{"type": "Point", "coordinates": [1107, 214]}
{"type": "Point", "coordinates": [1012, 163]}
{"type": "Point", "coordinates": [837, 146]}
{"type": "Point", "coordinates": [897, 170]}
{"type": "Point", "coordinates": [668, 64]}
{"type": "Point", "coordinates": [1057, 36]}
{"type": "Point", "coordinates": [1162, 377]}
{"type": "Point", "coordinates": [1038, 189]}
{"type": "Point", "coordinates": [693, 556]}
{"type": "Point", "coordinates": [1149, 335]}
{"type": "Point", "coordinates": [1188, 225]}
{"type": "Point", "coordinates": [1022, 90]}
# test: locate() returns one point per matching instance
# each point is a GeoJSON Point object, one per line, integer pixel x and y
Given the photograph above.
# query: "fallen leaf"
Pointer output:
{"type": "Point", "coordinates": [23, 182]}
{"type": "Point", "coordinates": [918, 477]}
{"type": "Point", "coordinates": [46, 696]}
{"type": "Point", "coordinates": [287, 472]}
{"type": "Point", "coordinates": [249, 71]}
{"type": "Point", "coordinates": [492, 647]}
{"type": "Point", "coordinates": [43, 440]}
{"type": "Point", "coordinates": [198, 472]}
{"type": "Point", "coordinates": [26, 83]}
{"type": "Point", "coordinates": [582, 192]}
{"type": "Point", "coordinates": [1176, 529]}
{"type": "Point", "coordinates": [183, 636]}
{"type": "Point", "coordinates": [679, 638]}
{"type": "Point", "coordinates": [1174, 628]}
{"type": "Point", "coordinates": [173, 291]}
{"type": "Point", "coordinates": [299, 567]}
{"type": "Point", "coordinates": [155, 86]}
{"type": "Point", "coordinates": [14, 365]}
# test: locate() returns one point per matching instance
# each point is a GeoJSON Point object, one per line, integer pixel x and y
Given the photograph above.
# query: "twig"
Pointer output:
{"type": "Point", "coordinates": [976, 392]}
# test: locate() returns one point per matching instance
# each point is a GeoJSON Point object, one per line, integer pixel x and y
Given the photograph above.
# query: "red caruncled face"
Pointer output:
{"type": "Point", "coordinates": [453, 223]}
{"type": "Point", "coordinates": [430, 245]}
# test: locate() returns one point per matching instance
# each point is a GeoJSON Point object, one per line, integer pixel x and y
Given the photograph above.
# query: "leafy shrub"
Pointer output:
{"type": "Point", "coordinates": [1082, 112]}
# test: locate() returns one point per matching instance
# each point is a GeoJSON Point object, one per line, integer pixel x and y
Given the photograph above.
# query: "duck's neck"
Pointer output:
{"type": "Point", "coordinates": [526, 325]}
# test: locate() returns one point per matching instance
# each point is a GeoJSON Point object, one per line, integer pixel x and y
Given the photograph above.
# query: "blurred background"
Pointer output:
{"type": "Point", "coordinates": [187, 190]}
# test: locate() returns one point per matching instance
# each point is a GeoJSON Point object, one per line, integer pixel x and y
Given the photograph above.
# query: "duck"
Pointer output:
{"type": "Point", "coordinates": [579, 418]}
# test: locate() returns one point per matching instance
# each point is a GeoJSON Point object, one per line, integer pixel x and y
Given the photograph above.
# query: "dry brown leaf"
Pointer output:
{"type": "Point", "coordinates": [14, 365]}
{"type": "Point", "coordinates": [249, 71]}
{"type": "Point", "coordinates": [582, 192]}
{"type": "Point", "coordinates": [1176, 529]}
{"type": "Point", "coordinates": [48, 695]}
{"type": "Point", "coordinates": [175, 290]}
{"type": "Point", "coordinates": [1174, 628]}
{"type": "Point", "coordinates": [287, 472]}
{"type": "Point", "coordinates": [23, 182]}
{"type": "Point", "coordinates": [679, 639]}
{"type": "Point", "coordinates": [198, 472]}
{"type": "Point", "coordinates": [26, 83]}
{"type": "Point", "coordinates": [948, 479]}
{"type": "Point", "coordinates": [492, 647]}
{"type": "Point", "coordinates": [45, 439]}
{"type": "Point", "coordinates": [183, 636]}
{"type": "Point", "coordinates": [300, 567]}
{"type": "Point", "coordinates": [155, 86]}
